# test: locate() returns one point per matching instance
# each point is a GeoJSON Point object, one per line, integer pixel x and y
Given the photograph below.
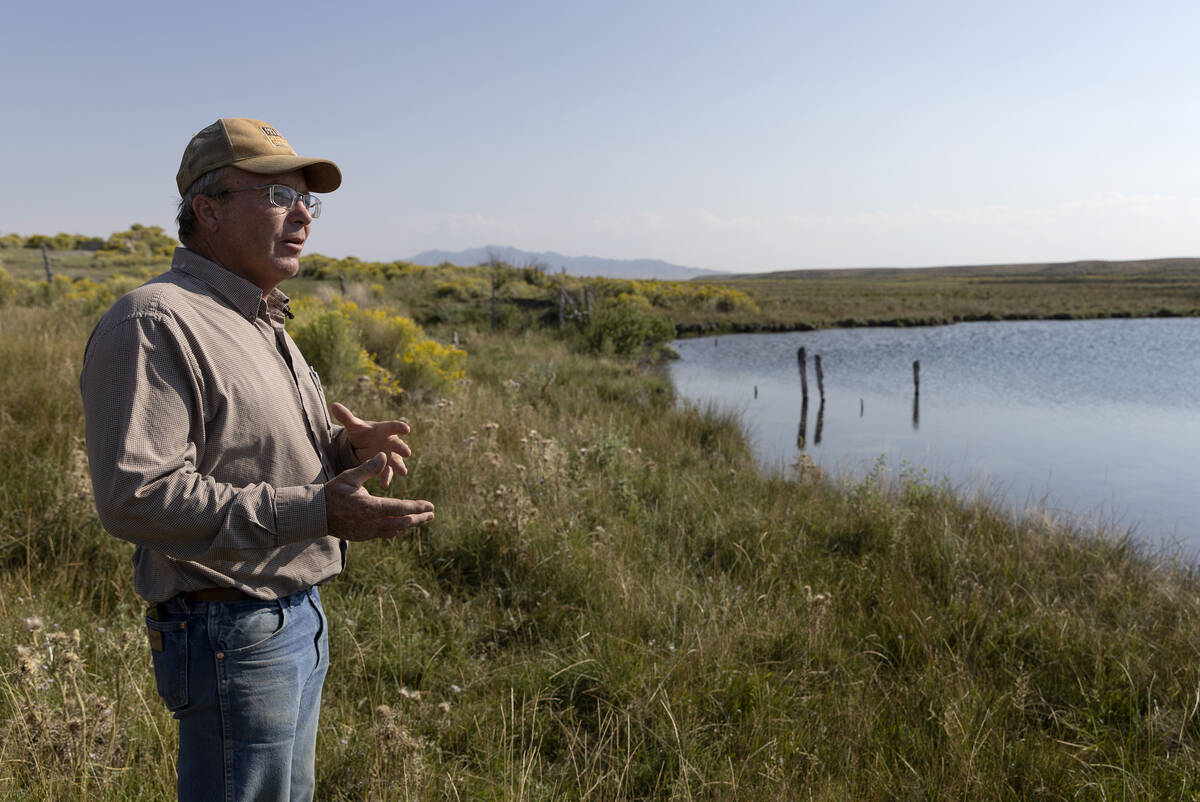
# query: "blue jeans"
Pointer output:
{"type": "Point", "coordinates": [244, 681]}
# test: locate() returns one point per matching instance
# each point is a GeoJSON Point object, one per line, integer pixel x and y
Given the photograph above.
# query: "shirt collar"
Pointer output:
{"type": "Point", "coordinates": [239, 293]}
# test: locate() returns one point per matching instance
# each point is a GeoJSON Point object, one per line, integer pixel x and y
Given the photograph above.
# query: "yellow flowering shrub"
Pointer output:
{"type": "Point", "coordinates": [680, 294]}
{"type": "Point", "coordinates": [376, 348]}
{"type": "Point", "coordinates": [83, 295]}
{"type": "Point", "coordinates": [461, 288]}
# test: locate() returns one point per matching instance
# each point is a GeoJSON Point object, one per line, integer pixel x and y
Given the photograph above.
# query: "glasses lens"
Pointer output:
{"type": "Point", "coordinates": [285, 197]}
{"type": "Point", "coordinates": [313, 203]}
{"type": "Point", "coordinates": [281, 196]}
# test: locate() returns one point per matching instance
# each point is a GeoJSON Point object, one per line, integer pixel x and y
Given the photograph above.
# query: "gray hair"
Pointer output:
{"type": "Point", "coordinates": [186, 217]}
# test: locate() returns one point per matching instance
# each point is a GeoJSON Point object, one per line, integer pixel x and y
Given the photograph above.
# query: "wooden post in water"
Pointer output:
{"type": "Point", "coordinates": [917, 377]}
{"type": "Point", "coordinates": [820, 377]}
{"type": "Point", "coordinates": [802, 434]}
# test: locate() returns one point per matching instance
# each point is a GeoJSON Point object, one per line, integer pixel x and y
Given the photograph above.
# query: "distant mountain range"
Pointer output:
{"type": "Point", "coordinates": [575, 265]}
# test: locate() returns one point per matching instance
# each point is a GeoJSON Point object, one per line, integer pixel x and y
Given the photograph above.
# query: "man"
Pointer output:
{"type": "Point", "coordinates": [211, 450]}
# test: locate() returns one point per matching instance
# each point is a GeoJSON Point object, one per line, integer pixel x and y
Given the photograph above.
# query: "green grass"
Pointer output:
{"type": "Point", "coordinates": [613, 604]}
{"type": "Point", "coordinates": [786, 301]}
{"type": "Point", "coordinates": [1076, 290]}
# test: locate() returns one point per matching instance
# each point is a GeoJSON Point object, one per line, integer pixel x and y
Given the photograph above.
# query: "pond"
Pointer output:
{"type": "Point", "coordinates": [1094, 422]}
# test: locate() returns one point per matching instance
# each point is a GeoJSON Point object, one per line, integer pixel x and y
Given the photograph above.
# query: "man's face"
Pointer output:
{"type": "Point", "coordinates": [255, 240]}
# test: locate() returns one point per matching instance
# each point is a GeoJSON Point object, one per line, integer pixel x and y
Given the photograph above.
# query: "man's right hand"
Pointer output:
{"type": "Point", "coordinates": [354, 514]}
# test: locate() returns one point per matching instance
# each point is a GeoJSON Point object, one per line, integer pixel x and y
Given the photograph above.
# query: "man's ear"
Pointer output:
{"type": "Point", "coordinates": [205, 208]}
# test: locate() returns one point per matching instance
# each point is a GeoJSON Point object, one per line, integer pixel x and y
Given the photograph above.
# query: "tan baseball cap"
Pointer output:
{"type": "Point", "coordinates": [253, 146]}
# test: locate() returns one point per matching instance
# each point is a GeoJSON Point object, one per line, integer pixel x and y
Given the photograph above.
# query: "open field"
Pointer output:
{"type": "Point", "coordinates": [612, 604]}
{"type": "Point", "coordinates": [889, 297]}
{"type": "Point", "coordinates": [803, 299]}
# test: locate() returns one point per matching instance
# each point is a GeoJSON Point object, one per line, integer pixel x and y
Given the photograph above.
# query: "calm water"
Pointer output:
{"type": "Point", "coordinates": [1094, 420]}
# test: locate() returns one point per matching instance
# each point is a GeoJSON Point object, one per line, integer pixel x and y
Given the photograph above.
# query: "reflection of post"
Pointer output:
{"type": "Point", "coordinates": [917, 394]}
{"type": "Point", "coordinates": [802, 434]}
{"type": "Point", "coordinates": [803, 360]}
{"type": "Point", "coordinates": [820, 422]}
{"type": "Point", "coordinates": [820, 377]}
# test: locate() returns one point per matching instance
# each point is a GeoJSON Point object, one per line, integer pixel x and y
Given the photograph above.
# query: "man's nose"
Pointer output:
{"type": "Point", "coordinates": [300, 213]}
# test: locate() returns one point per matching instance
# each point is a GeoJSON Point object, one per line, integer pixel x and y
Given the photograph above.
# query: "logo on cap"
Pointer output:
{"type": "Point", "coordinates": [275, 137]}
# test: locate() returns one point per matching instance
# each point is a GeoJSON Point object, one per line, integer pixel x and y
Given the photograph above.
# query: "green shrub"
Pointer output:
{"type": "Point", "coordinates": [140, 239]}
{"type": "Point", "coordinates": [344, 341]}
{"type": "Point", "coordinates": [627, 325]}
{"type": "Point", "coordinates": [330, 343]}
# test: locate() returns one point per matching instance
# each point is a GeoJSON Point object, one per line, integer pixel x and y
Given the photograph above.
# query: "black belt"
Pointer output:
{"type": "Point", "coordinates": [218, 595]}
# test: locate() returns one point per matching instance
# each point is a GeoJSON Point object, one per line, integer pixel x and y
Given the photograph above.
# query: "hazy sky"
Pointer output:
{"type": "Point", "coordinates": [735, 135]}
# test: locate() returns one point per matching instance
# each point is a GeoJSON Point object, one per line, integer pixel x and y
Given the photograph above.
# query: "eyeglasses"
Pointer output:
{"type": "Point", "coordinates": [284, 197]}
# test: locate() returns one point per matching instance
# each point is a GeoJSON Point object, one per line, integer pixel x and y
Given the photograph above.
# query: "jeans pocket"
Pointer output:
{"type": "Point", "coordinates": [169, 651]}
{"type": "Point", "coordinates": [245, 627]}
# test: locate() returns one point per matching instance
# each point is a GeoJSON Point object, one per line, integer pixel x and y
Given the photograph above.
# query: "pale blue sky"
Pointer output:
{"type": "Point", "coordinates": [733, 136]}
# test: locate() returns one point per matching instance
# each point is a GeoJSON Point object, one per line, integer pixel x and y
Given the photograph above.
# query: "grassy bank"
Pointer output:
{"type": "Point", "coordinates": [790, 301]}
{"type": "Point", "coordinates": [934, 296]}
{"type": "Point", "coordinates": [613, 604]}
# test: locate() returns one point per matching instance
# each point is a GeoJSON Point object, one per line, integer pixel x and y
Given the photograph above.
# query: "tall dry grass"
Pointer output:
{"type": "Point", "coordinates": [613, 604]}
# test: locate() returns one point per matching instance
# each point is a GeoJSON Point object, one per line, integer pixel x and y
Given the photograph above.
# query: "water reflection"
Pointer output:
{"type": "Point", "coordinates": [916, 395]}
{"type": "Point", "coordinates": [1099, 418]}
{"type": "Point", "coordinates": [802, 432]}
{"type": "Point", "coordinates": [802, 435]}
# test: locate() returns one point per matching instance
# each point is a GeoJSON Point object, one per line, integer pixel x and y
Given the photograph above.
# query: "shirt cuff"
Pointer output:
{"type": "Point", "coordinates": [300, 514]}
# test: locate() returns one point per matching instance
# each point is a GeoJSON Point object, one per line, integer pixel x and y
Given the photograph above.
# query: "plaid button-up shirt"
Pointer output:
{"type": "Point", "coordinates": [208, 437]}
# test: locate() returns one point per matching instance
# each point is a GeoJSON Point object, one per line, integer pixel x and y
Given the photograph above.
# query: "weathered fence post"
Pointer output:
{"type": "Point", "coordinates": [820, 377]}
{"type": "Point", "coordinates": [46, 264]}
{"type": "Point", "coordinates": [495, 309]}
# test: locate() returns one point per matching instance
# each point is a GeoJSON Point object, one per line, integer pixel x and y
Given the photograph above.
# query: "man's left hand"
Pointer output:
{"type": "Point", "coordinates": [370, 437]}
